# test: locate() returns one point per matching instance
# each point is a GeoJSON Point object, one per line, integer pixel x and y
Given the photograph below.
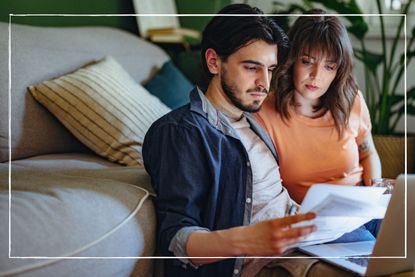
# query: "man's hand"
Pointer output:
{"type": "Point", "coordinates": [266, 238]}
{"type": "Point", "coordinates": [275, 236]}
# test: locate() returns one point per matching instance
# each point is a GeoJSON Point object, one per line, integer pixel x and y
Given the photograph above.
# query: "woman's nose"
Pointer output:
{"type": "Point", "coordinates": [315, 72]}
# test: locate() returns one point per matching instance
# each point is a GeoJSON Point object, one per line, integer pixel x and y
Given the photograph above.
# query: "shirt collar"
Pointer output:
{"type": "Point", "coordinates": [201, 105]}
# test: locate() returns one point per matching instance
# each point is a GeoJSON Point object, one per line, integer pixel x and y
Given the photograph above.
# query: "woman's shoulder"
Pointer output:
{"type": "Point", "coordinates": [359, 100]}
{"type": "Point", "coordinates": [359, 96]}
{"type": "Point", "coordinates": [359, 111]}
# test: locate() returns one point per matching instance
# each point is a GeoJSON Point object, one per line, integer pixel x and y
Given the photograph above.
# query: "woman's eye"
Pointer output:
{"type": "Point", "coordinates": [305, 61]}
{"type": "Point", "coordinates": [330, 67]}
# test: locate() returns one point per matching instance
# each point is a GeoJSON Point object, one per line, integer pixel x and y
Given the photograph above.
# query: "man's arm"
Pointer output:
{"type": "Point", "coordinates": [370, 161]}
{"type": "Point", "coordinates": [175, 158]}
{"type": "Point", "coordinates": [266, 238]}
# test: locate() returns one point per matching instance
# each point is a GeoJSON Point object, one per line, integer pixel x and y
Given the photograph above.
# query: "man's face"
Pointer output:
{"type": "Point", "coordinates": [245, 76]}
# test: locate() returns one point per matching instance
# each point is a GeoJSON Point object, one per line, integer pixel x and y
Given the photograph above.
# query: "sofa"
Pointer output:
{"type": "Point", "coordinates": [74, 210]}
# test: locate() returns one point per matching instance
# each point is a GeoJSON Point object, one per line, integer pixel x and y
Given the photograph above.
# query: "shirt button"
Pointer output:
{"type": "Point", "coordinates": [248, 164]}
{"type": "Point", "coordinates": [235, 271]}
{"type": "Point", "coordinates": [248, 200]}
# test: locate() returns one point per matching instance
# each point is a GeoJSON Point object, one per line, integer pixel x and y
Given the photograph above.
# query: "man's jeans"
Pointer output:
{"type": "Point", "coordinates": [365, 232]}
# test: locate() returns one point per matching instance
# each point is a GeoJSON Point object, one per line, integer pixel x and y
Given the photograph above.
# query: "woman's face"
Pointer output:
{"type": "Point", "coordinates": [313, 74]}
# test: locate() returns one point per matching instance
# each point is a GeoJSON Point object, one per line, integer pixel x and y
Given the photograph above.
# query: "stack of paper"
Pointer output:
{"type": "Point", "coordinates": [341, 209]}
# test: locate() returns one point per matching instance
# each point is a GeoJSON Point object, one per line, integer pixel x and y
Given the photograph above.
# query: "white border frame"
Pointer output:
{"type": "Point", "coordinates": [54, 259]}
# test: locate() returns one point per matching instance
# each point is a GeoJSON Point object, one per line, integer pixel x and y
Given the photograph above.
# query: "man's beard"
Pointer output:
{"type": "Point", "coordinates": [230, 91]}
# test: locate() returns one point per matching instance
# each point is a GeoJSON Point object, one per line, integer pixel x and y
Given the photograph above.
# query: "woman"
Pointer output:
{"type": "Point", "coordinates": [316, 116]}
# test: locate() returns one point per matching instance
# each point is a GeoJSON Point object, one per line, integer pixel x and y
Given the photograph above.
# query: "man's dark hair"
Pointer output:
{"type": "Point", "coordinates": [227, 34]}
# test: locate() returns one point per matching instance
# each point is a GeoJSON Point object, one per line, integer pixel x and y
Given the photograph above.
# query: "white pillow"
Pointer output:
{"type": "Point", "coordinates": [104, 108]}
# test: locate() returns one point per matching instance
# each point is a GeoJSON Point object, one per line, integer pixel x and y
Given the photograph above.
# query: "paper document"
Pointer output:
{"type": "Point", "coordinates": [341, 209]}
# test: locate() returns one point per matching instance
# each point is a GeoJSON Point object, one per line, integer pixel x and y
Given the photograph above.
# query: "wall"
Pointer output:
{"type": "Point", "coordinates": [71, 7]}
{"type": "Point", "coordinates": [202, 7]}
{"type": "Point", "coordinates": [100, 7]}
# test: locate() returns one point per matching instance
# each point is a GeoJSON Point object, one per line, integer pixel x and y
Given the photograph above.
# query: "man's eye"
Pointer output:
{"type": "Point", "coordinates": [251, 68]}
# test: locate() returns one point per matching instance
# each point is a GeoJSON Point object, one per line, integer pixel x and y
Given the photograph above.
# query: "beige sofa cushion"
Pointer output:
{"type": "Point", "coordinates": [104, 108]}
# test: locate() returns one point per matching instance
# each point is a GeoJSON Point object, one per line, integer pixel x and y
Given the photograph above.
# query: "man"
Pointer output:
{"type": "Point", "coordinates": [214, 170]}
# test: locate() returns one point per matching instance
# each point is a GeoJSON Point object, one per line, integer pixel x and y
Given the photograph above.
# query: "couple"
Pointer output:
{"type": "Point", "coordinates": [216, 172]}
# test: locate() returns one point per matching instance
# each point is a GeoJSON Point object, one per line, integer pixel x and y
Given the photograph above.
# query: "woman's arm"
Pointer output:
{"type": "Point", "coordinates": [370, 161]}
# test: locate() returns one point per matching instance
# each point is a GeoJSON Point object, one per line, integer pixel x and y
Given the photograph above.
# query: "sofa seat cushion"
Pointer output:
{"type": "Point", "coordinates": [84, 165]}
{"type": "Point", "coordinates": [67, 161]}
{"type": "Point", "coordinates": [57, 215]}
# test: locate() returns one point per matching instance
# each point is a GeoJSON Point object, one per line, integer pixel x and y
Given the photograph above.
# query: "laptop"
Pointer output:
{"type": "Point", "coordinates": [386, 255]}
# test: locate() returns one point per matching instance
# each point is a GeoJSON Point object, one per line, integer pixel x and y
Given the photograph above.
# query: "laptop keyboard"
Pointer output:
{"type": "Point", "coordinates": [362, 260]}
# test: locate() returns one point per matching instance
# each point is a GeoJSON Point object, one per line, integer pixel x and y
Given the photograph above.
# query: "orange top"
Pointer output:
{"type": "Point", "coordinates": [309, 149]}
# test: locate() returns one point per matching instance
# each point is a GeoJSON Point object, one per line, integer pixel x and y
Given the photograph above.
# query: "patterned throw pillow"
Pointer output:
{"type": "Point", "coordinates": [104, 108]}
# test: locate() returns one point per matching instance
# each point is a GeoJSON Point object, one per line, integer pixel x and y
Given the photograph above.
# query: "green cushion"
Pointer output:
{"type": "Point", "coordinates": [170, 86]}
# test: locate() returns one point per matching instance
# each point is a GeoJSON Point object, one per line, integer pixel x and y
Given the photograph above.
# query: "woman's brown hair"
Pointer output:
{"type": "Point", "coordinates": [328, 36]}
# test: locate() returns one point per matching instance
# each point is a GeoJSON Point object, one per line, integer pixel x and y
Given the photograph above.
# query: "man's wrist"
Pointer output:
{"type": "Point", "coordinates": [234, 239]}
{"type": "Point", "coordinates": [178, 243]}
{"type": "Point", "coordinates": [219, 243]}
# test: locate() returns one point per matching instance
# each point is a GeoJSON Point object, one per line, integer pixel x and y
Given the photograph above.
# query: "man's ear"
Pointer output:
{"type": "Point", "coordinates": [213, 61]}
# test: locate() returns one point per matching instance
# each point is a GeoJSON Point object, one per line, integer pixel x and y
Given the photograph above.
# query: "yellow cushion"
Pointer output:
{"type": "Point", "coordinates": [104, 108]}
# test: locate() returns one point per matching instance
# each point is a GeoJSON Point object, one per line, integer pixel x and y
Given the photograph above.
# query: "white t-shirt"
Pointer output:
{"type": "Point", "coordinates": [270, 198]}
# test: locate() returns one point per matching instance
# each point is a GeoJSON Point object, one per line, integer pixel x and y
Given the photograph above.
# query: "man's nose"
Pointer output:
{"type": "Point", "coordinates": [263, 80]}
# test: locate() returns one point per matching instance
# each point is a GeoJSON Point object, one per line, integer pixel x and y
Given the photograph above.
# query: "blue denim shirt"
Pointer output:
{"type": "Point", "coordinates": [201, 174]}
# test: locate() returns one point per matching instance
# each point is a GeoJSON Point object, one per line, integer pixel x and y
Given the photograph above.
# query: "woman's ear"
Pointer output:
{"type": "Point", "coordinates": [213, 61]}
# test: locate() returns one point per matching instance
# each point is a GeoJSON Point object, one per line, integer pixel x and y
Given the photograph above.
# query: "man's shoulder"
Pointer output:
{"type": "Point", "coordinates": [181, 118]}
